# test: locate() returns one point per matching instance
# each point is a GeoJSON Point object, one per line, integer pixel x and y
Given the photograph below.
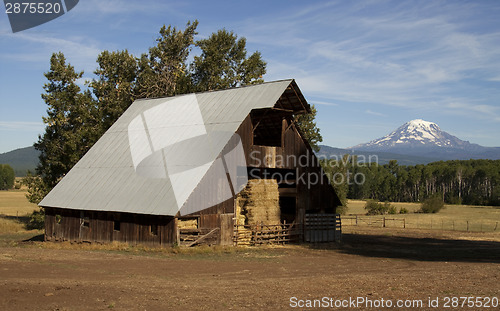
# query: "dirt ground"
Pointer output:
{"type": "Point", "coordinates": [373, 264]}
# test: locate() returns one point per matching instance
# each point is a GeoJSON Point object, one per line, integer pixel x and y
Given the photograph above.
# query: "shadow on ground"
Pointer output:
{"type": "Point", "coordinates": [425, 249]}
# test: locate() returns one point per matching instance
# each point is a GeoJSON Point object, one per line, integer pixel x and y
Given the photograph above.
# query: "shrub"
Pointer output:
{"type": "Point", "coordinates": [391, 209]}
{"type": "Point", "coordinates": [37, 220]}
{"type": "Point", "coordinates": [7, 177]}
{"type": "Point", "coordinates": [432, 205]}
{"type": "Point", "coordinates": [403, 210]}
{"type": "Point", "coordinates": [374, 207]}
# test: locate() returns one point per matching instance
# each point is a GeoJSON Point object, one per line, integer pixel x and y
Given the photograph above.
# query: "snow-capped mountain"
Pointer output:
{"type": "Point", "coordinates": [423, 138]}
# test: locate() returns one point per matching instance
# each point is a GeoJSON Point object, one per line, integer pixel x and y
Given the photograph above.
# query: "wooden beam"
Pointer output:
{"type": "Point", "coordinates": [202, 237]}
{"type": "Point", "coordinates": [298, 97]}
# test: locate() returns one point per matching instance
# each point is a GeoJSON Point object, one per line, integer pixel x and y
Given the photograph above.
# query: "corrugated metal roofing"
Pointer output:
{"type": "Point", "coordinates": [108, 177]}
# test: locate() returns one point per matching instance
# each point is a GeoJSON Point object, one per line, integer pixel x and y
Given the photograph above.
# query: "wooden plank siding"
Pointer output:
{"type": "Point", "coordinates": [318, 197]}
{"type": "Point", "coordinates": [68, 225]}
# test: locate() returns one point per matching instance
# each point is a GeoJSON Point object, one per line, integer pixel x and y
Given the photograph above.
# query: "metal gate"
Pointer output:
{"type": "Point", "coordinates": [322, 228]}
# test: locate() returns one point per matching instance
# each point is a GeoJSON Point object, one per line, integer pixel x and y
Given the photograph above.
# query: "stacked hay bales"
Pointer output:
{"type": "Point", "coordinates": [187, 223]}
{"type": "Point", "coordinates": [258, 203]}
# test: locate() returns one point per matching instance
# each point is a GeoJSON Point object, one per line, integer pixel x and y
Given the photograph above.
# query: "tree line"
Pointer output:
{"type": "Point", "coordinates": [77, 118]}
{"type": "Point", "coordinates": [474, 182]}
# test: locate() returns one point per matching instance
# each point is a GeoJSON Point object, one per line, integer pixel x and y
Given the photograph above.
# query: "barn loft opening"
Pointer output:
{"type": "Point", "coordinates": [267, 126]}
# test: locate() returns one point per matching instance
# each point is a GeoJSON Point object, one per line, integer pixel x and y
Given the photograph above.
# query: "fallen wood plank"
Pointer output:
{"type": "Point", "coordinates": [203, 237]}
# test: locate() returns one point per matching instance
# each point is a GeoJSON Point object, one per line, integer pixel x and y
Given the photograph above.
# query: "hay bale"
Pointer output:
{"type": "Point", "coordinates": [187, 223]}
{"type": "Point", "coordinates": [259, 203]}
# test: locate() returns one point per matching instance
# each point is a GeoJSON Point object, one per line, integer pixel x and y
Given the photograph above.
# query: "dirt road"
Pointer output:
{"type": "Point", "coordinates": [372, 266]}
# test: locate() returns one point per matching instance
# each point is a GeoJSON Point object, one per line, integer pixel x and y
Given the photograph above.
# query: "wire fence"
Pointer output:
{"type": "Point", "coordinates": [422, 223]}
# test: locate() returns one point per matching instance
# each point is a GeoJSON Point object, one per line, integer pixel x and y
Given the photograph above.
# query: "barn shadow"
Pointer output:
{"type": "Point", "coordinates": [423, 249]}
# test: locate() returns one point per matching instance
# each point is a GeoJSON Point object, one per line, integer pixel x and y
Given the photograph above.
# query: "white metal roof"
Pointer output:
{"type": "Point", "coordinates": [109, 178]}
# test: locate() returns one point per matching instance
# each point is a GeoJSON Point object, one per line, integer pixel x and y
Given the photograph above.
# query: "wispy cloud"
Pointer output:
{"type": "Point", "coordinates": [21, 125]}
{"type": "Point", "coordinates": [374, 113]}
{"type": "Point", "coordinates": [412, 55]}
{"type": "Point", "coordinates": [81, 52]}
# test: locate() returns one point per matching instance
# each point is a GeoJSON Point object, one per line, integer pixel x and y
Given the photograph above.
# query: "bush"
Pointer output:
{"type": "Point", "coordinates": [7, 177]}
{"type": "Point", "coordinates": [432, 205]}
{"type": "Point", "coordinates": [374, 207]}
{"type": "Point", "coordinates": [392, 209]}
{"type": "Point", "coordinates": [403, 210]}
{"type": "Point", "coordinates": [37, 220]}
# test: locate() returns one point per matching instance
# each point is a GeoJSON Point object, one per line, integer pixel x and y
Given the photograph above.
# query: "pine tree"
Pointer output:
{"type": "Point", "coordinates": [71, 125]}
{"type": "Point", "coordinates": [307, 125]}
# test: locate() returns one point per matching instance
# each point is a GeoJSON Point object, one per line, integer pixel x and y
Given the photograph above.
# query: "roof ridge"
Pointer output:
{"type": "Point", "coordinates": [221, 90]}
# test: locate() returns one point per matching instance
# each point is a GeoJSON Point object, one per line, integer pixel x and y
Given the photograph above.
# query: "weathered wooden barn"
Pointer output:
{"type": "Point", "coordinates": [155, 175]}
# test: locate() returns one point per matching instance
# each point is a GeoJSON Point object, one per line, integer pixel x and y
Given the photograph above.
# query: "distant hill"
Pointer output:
{"type": "Point", "coordinates": [426, 139]}
{"type": "Point", "coordinates": [380, 157]}
{"type": "Point", "coordinates": [21, 160]}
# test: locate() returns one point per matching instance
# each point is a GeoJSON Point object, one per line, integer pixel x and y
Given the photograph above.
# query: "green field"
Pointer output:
{"type": "Point", "coordinates": [452, 217]}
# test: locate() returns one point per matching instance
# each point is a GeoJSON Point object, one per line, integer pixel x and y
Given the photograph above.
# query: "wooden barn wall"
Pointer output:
{"type": "Point", "coordinates": [134, 228]}
{"type": "Point", "coordinates": [318, 197]}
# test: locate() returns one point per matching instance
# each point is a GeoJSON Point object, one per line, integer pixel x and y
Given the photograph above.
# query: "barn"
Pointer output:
{"type": "Point", "coordinates": [221, 167]}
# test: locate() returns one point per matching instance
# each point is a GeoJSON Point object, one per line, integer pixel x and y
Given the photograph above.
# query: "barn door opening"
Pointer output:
{"type": "Point", "coordinates": [288, 207]}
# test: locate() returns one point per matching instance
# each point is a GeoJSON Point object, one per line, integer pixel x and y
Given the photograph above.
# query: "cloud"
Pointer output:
{"type": "Point", "coordinates": [488, 112]}
{"type": "Point", "coordinates": [406, 55]}
{"type": "Point", "coordinates": [21, 125]}
{"type": "Point", "coordinates": [375, 113]}
{"type": "Point", "coordinates": [81, 52]}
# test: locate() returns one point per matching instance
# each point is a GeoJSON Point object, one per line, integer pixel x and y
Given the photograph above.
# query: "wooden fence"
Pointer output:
{"type": "Point", "coordinates": [417, 223]}
{"type": "Point", "coordinates": [266, 234]}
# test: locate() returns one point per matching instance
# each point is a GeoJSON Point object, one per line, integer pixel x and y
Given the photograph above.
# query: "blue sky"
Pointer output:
{"type": "Point", "coordinates": [367, 66]}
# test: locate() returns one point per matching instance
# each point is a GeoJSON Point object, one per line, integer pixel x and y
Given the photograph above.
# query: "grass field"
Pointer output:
{"type": "Point", "coordinates": [452, 217]}
{"type": "Point", "coordinates": [14, 209]}
{"type": "Point", "coordinates": [14, 203]}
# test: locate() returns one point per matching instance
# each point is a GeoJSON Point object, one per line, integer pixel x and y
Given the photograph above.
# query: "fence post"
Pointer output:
{"type": "Point", "coordinates": [496, 225]}
{"type": "Point", "coordinates": [467, 226]}
{"type": "Point", "coordinates": [404, 223]}
{"type": "Point", "coordinates": [356, 220]}
{"type": "Point", "coordinates": [384, 222]}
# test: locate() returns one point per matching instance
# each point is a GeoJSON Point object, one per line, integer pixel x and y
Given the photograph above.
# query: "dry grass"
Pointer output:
{"type": "Point", "coordinates": [14, 209]}
{"type": "Point", "coordinates": [11, 226]}
{"type": "Point", "coordinates": [14, 203]}
{"type": "Point", "coordinates": [452, 217]}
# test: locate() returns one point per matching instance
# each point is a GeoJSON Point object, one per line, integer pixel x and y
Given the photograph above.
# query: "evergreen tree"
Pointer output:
{"type": "Point", "coordinates": [71, 125]}
{"type": "Point", "coordinates": [307, 125]}
{"type": "Point", "coordinates": [7, 177]}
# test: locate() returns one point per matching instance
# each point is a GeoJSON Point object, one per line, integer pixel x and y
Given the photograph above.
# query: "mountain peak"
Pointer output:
{"type": "Point", "coordinates": [421, 123]}
{"type": "Point", "coordinates": [416, 133]}
{"type": "Point", "coordinates": [423, 138]}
